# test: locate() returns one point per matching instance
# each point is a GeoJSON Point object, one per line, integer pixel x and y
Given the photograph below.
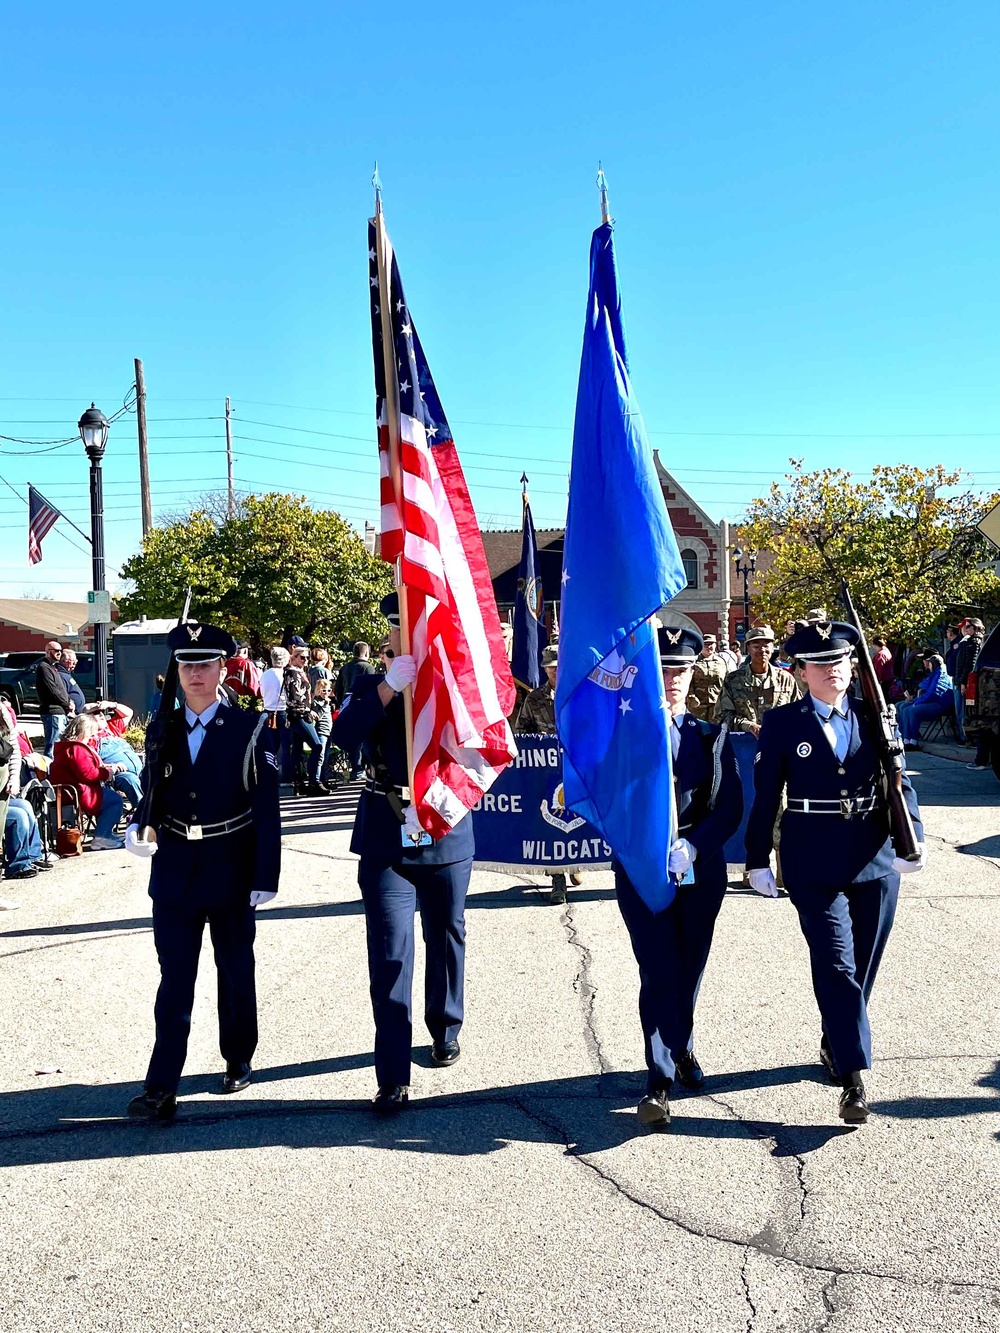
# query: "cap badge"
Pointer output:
{"type": "Point", "coordinates": [674, 637]}
{"type": "Point", "coordinates": [194, 633]}
{"type": "Point", "coordinates": [824, 630]}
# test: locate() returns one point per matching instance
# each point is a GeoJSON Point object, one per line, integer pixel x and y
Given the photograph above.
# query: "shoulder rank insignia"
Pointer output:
{"type": "Point", "coordinates": [824, 630]}
{"type": "Point", "coordinates": [672, 637]}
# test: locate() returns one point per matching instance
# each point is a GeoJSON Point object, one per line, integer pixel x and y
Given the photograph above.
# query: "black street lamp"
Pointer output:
{"type": "Point", "coordinates": [746, 564]}
{"type": "Point", "coordinates": [93, 427]}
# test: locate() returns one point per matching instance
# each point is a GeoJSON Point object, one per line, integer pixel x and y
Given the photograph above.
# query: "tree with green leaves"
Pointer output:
{"type": "Point", "coordinates": [905, 540]}
{"type": "Point", "coordinates": [278, 564]}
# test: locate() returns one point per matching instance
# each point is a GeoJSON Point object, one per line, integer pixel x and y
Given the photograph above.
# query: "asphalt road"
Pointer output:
{"type": "Point", "coordinates": [518, 1192]}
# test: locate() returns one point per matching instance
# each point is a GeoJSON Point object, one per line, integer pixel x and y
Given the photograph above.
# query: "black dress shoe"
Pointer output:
{"type": "Point", "coordinates": [853, 1107]}
{"type": "Point", "coordinates": [390, 1101]}
{"type": "Point", "coordinates": [236, 1078]}
{"type": "Point", "coordinates": [654, 1109]}
{"type": "Point", "coordinates": [826, 1060]}
{"type": "Point", "coordinates": [153, 1106]}
{"type": "Point", "coordinates": [690, 1072]}
{"type": "Point", "coordinates": [445, 1053]}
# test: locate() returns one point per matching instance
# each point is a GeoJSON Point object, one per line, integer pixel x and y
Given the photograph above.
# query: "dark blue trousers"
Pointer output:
{"type": "Point", "coordinates": [177, 933]}
{"type": "Point", "coordinates": [671, 948]}
{"type": "Point", "coordinates": [391, 896]}
{"type": "Point", "coordinates": [846, 929]}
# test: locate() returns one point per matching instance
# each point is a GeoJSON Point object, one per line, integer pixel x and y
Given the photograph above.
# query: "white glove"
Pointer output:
{"type": "Point", "coordinates": [261, 896]}
{"type": "Point", "coordinates": [133, 845]}
{"type": "Point", "coordinates": [902, 867]}
{"type": "Point", "coordinates": [411, 824]}
{"type": "Point", "coordinates": [403, 672]}
{"type": "Point", "coordinates": [682, 856]}
{"type": "Point", "coordinates": [764, 883]}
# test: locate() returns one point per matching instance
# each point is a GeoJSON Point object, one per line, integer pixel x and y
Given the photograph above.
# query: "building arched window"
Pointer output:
{"type": "Point", "coordinates": [690, 561]}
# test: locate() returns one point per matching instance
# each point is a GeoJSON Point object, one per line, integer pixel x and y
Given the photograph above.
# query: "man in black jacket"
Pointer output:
{"type": "Point", "coordinates": [53, 698]}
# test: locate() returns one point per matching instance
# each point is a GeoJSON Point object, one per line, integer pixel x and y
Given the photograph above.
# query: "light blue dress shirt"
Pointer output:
{"type": "Point", "coordinates": [836, 726]}
{"type": "Point", "coordinates": [197, 722]}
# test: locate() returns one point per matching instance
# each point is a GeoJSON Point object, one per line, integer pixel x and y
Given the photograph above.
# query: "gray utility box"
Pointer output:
{"type": "Point", "coordinates": [141, 654]}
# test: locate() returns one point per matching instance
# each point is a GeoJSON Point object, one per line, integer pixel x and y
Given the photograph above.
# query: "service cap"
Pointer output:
{"type": "Point", "coordinates": [192, 642]}
{"type": "Point", "coordinates": [679, 647]}
{"type": "Point", "coordinates": [389, 606]}
{"type": "Point", "coordinates": [824, 641]}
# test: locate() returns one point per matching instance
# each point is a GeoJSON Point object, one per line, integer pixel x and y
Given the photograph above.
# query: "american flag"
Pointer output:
{"type": "Point", "coordinates": [464, 691]}
{"type": "Point", "coordinates": [42, 518]}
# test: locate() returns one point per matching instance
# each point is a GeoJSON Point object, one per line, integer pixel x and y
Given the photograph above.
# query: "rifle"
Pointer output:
{"type": "Point", "coordinates": [156, 735]}
{"type": "Point", "coordinates": [890, 748]}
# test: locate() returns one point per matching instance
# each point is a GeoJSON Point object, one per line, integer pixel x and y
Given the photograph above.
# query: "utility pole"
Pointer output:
{"type": "Point", "coordinates": [140, 414]}
{"type": "Point", "coordinates": [229, 461]}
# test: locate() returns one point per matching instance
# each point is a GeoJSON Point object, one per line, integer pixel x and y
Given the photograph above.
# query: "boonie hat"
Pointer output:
{"type": "Point", "coordinates": [192, 642]}
{"type": "Point", "coordinates": [679, 646]}
{"type": "Point", "coordinates": [824, 641]}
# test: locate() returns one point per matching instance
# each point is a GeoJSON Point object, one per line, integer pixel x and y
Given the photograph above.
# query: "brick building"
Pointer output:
{"type": "Point", "coordinates": [30, 622]}
{"type": "Point", "coordinates": [711, 603]}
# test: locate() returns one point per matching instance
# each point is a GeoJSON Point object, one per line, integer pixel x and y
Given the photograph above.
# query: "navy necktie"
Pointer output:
{"type": "Point", "coordinates": [675, 738]}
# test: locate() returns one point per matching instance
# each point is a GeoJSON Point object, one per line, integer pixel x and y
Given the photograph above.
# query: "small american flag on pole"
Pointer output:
{"type": "Point", "coordinates": [42, 518]}
{"type": "Point", "coordinates": [464, 692]}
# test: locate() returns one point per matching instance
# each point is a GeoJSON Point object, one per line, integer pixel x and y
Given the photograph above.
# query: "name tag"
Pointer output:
{"type": "Point", "coordinates": [425, 839]}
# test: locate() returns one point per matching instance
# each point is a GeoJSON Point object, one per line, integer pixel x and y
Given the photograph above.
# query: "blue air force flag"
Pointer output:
{"type": "Point", "coordinates": [621, 564]}
{"type": "Point", "coordinates": [530, 636]}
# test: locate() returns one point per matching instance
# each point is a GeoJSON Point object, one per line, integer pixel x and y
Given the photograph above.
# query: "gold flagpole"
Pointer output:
{"type": "Point", "coordinates": [383, 256]}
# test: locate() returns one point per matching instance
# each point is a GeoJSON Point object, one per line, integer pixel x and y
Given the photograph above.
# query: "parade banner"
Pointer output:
{"type": "Point", "coordinates": [523, 821]}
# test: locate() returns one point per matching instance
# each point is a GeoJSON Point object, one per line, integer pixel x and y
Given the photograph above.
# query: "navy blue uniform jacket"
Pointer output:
{"type": "Point", "coordinates": [706, 762]}
{"type": "Point", "coordinates": [820, 849]}
{"type": "Point", "coordinates": [381, 733]}
{"type": "Point", "coordinates": [227, 779]}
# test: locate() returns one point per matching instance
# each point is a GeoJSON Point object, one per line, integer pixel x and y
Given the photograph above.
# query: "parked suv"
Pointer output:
{"type": "Point", "coordinates": [17, 679]}
{"type": "Point", "coordinates": [982, 698]}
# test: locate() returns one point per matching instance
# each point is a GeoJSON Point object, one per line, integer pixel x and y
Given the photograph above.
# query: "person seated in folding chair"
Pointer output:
{"type": "Point", "coordinates": [935, 698]}
{"type": "Point", "coordinates": [77, 763]}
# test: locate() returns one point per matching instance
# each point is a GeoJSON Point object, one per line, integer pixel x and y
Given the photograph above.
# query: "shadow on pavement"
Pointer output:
{"type": "Point", "coordinates": [984, 847]}
{"type": "Point", "coordinates": [86, 1123]}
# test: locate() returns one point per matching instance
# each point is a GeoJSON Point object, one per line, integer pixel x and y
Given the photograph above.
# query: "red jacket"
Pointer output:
{"type": "Point", "coordinates": [76, 762]}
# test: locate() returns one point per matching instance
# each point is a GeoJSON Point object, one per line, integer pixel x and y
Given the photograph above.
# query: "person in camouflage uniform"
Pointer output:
{"type": "Point", "coordinates": [538, 712]}
{"type": "Point", "coordinates": [707, 680]}
{"type": "Point", "coordinates": [538, 717]}
{"type": "Point", "coordinates": [755, 687]}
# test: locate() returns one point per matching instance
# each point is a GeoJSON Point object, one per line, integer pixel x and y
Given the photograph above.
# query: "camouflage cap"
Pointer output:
{"type": "Point", "coordinates": [550, 656]}
{"type": "Point", "coordinates": [758, 633]}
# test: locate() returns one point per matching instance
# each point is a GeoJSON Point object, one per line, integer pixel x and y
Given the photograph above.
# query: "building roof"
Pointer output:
{"type": "Point", "coordinates": [503, 555]}
{"type": "Point", "coordinates": [44, 617]}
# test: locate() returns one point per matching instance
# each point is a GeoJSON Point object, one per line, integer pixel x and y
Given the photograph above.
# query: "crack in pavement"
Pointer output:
{"type": "Point", "coordinates": [767, 1244]}
{"type": "Point", "coordinates": [745, 1279]}
{"type": "Point", "coordinates": [587, 992]}
{"type": "Point", "coordinates": [756, 1244]}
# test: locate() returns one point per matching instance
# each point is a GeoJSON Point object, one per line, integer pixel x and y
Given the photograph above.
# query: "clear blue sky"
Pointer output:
{"type": "Point", "coordinates": [806, 199]}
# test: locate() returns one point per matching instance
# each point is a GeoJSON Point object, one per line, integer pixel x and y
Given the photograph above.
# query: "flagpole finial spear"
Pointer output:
{"type": "Point", "coordinates": [524, 488]}
{"type": "Point", "coordinates": [602, 185]}
{"type": "Point", "coordinates": [377, 186]}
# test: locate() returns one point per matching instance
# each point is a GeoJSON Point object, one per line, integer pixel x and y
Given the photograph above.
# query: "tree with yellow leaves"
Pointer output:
{"type": "Point", "coordinates": [905, 540]}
